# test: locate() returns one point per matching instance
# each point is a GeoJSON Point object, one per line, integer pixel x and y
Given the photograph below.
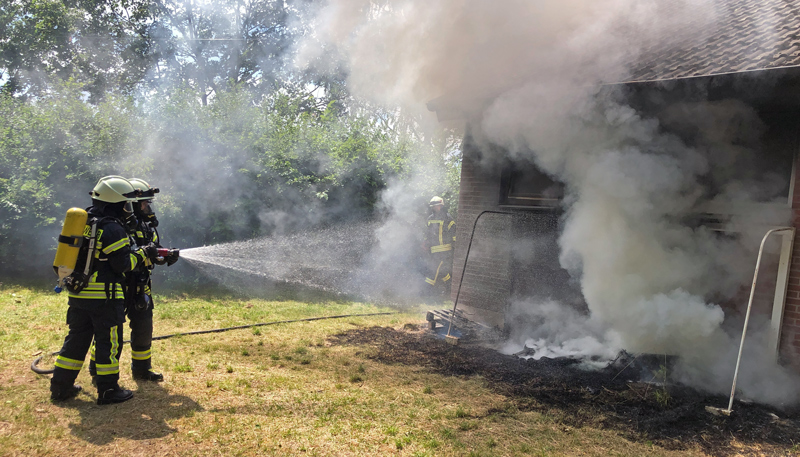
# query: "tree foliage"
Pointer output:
{"type": "Point", "coordinates": [230, 170]}
{"type": "Point", "coordinates": [222, 43]}
{"type": "Point", "coordinates": [34, 43]}
{"type": "Point", "coordinates": [195, 97]}
{"type": "Point", "coordinates": [114, 46]}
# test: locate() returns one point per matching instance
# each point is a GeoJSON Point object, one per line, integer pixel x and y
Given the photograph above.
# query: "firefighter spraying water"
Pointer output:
{"type": "Point", "coordinates": [138, 295]}
{"type": "Point", "coordinates": [336, 256]}
{"type": "Point", "coordinates": [104, 258]}
{"type": "Point", "coordinates": [96, 293]}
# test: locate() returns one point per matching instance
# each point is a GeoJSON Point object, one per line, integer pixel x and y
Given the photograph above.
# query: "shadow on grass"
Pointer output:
{"type": "Point", "coordinates": [146, 416]}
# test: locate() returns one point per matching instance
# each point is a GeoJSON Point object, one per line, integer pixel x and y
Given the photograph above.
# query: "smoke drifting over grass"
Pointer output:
{"type": "Point", "coordinates": [531, 76]}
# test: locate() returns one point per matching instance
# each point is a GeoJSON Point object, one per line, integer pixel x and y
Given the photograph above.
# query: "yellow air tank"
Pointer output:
{"type": "Point", "coordinates": [69, 244]}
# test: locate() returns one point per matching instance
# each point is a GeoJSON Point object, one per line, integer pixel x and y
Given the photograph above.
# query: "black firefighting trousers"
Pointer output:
{"type": "Point", "coordinates": [141, 324]}
{"type": "Point", "coordinates": [103, 323]}
{"type": "Point", "coordinates": [439, 266]}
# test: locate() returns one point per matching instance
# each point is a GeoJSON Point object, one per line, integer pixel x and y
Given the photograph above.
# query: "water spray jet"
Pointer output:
{"type": "Point", "coordinates": [346, 259]}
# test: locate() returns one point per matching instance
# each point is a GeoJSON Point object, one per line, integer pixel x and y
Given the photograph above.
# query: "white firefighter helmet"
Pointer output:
{"type": "Point", "coordinates": [436, 201]}
{"type": "Point", "coordinates": [147, 192]}
{"type": "Point", "coordinates": [114, 189]}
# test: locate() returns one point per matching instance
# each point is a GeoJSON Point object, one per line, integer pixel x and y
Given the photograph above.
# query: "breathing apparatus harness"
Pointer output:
{"type": "Point", "coordinates": [137, 281]}
{"type": "Point", "coordinates": [79, 279]}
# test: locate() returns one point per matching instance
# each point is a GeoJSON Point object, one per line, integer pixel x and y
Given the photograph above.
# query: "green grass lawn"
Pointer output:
{"type": "Point", "coordinates": [273, 390]}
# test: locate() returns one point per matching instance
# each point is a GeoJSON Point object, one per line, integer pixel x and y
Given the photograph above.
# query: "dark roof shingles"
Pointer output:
{"type": "Point", "coordinates": [747, 35]}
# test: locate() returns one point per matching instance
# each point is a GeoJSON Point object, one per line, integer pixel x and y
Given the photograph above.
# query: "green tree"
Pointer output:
{"type": "Point", "coordinates": [108, 46]}
{"type": "Point", "coordinates": [51, 154]}
{"type": "Point", "coordinates": [34, 44]}
{"type": "Point", "coordinates": [220, 44]}
{"type": "Point", "coordinates": [116, 44]}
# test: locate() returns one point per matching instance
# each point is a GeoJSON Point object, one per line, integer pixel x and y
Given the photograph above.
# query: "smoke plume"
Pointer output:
{"type": "Point", "coordinates": [537, 78]}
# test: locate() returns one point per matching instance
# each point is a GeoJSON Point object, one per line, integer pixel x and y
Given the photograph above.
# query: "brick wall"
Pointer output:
{"type": "Point", "coordinates": [513, 256]}
{"type": "Point", "coordinates": [487, 283]}
{"type": "Point", "coordinates": [790, 331]}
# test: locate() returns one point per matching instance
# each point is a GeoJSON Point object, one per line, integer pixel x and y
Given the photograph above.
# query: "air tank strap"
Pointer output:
{"type": "Point", "coordinates": [92, 242]}
{"type": "Point", "coordinates": [74, 241]}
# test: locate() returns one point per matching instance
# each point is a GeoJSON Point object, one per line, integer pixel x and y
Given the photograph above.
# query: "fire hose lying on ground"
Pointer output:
{"type": "Point", "coordinates": [35, 363]}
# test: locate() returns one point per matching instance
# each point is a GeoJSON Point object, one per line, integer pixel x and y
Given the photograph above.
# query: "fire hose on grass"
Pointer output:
{"type": "Point", "coordinates": [35, 363]}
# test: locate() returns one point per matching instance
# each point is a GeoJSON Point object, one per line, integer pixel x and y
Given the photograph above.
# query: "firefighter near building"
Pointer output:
{"type": "Point", "coordinates": [440, 235]}
{"type": "Point", "coordinates": [96, 295]}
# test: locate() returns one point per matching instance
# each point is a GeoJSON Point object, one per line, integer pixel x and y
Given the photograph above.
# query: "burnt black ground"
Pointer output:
{"type": "Point", "coordinates": [604, 398]}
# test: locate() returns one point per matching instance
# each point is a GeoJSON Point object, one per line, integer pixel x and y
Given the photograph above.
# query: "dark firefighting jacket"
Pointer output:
{"type": "Point", "coordinates": [441, 233]}
{"type": "Point", "coordinates": [113, 258]}
{"type": "Point", "coordinates": [140, 276]}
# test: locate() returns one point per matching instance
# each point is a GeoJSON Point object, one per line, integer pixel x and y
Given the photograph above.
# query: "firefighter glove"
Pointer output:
{"type": "Point", "coordinates": [149, 252]}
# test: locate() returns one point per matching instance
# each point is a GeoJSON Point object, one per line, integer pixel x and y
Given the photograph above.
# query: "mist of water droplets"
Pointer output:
{"type": "Point", "coordinates": [343, 259]}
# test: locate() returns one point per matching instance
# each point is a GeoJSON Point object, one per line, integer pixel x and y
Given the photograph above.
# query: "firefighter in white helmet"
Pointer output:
{"type": "Point", "coordinates": [138, 296]}
{"type": "Point", "coordinates": [440, 236]}
{"type": "Point", "coordinates": [96, 301]}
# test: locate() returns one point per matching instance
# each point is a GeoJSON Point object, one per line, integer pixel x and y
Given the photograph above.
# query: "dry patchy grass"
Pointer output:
{"type": "Point", "coordinates": [277, 390]}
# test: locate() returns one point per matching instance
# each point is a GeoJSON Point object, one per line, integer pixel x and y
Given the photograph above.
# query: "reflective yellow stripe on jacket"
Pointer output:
{"type": "Point", "coordinates": [97, 290]}
{"type": "Point", "coordinates": [114, 246]}
{"type": "Point", "coordinates": [441, 247]}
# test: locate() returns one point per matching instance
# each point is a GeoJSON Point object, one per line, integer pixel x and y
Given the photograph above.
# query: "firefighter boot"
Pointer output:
{"type": "Point", "coordinates": [142, 371]}
{"type": "Point", "coordinates": [62, 392]}
{"type": "Point", "coordinates": [113, 395]}
{"type": "Point", "coordinates": [148, 375]}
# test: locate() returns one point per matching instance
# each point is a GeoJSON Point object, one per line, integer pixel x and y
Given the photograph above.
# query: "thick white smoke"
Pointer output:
{"type": "Point", "coordinates": [533, 75]}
